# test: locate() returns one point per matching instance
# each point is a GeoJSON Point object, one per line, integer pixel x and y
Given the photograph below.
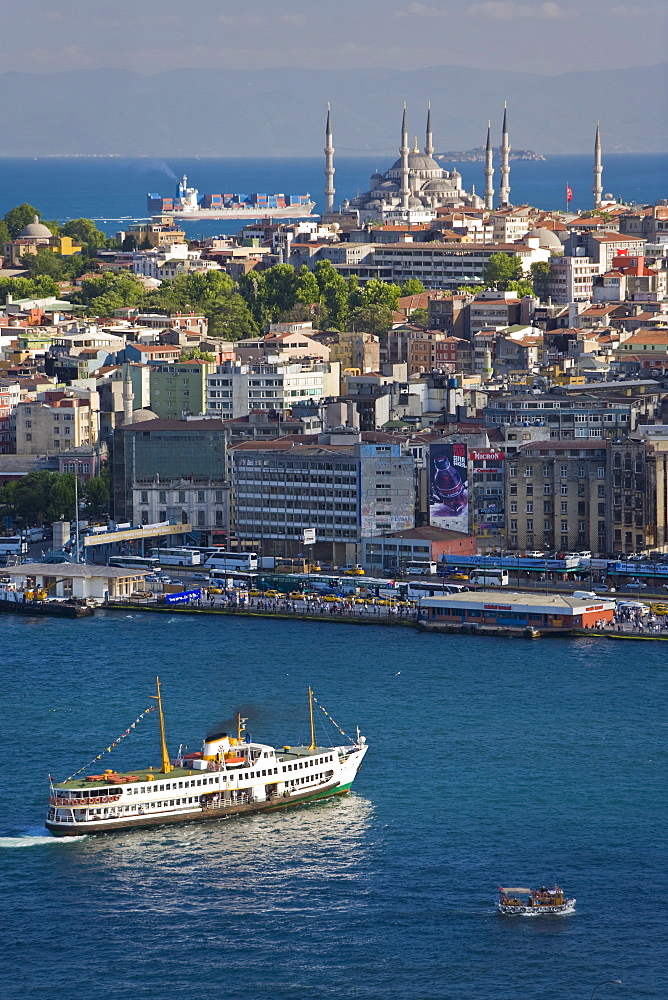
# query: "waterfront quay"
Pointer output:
{"type": "Point", "coordinates": [478, 614]}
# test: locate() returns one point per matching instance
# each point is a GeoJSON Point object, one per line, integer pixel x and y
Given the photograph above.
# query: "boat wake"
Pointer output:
{"type": "Point", "coordinates": [33, 837]}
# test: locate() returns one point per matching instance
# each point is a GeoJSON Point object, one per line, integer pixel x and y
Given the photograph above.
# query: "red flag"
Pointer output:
{"type": "Point", "coordinates": [569, 193]}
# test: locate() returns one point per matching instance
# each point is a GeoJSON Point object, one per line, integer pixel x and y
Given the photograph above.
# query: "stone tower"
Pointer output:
{"type": "Point", "coordinates": [504, 190]}
{"type": "Point", "coordinates": [405, 190]}
{"type": "Point", "coordinates": [429, 145]}
{"type": "Point", "coordinates": [489, 170]}
{"type": "Point", "coordinates": [598, 169]}
{"type": "Point", "coordinates": [128, 396]}
{"type": "Point", "coordinates": [329, 165]}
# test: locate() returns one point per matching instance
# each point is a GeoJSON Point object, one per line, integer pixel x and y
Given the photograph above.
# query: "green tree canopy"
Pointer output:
{"type": "Point", "coordinates": [253, 289]}
{"type": "Point", "coordinates": [19, 217]}
{"type": "Point", "coordinates": [44, 262]}
{"type": "Point", "coordinates": [412, 287]}
{"type": "Point", "coordinates": [540, 276]}
{"type": "Point", "coordinates": [28, 288]}
{"type": "Point", "coordinates": [96, 495]}
{"type": "Point", "coordinates": [381, 293]}
{"type": "Point", "coordinates": [85, 232]}
{"type": "Point", "coordinates": [333, 292]}
{"type": "Point", "coordinates": [375, 319]}
{"type": "Point", "coordinates": [4, 233]}
{"type": "Point", "coordinates": [500, 269]}
{"type": "Point", "coordinates": [194, 354]}
{"type": "Point", "coordinates": [420, 317]}
{"type": "Point", "coordinates": [39, 498]}
{"type": "Point", "coordinates": [307, 289]}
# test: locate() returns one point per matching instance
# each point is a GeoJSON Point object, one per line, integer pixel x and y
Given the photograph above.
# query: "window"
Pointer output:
{"type": "Point", "coordinates": [513, 507]}
{"type": "Point", "coordinates": [547, 507]}
{"type": "Point", "coordinates": [200, 496]}
{"type": "Point", "coordinates": [528, 472]}
{"type": "Point", "coordinates": [582, 472]}
{"type": "Point", "coordinates": [512, 471]}
{"type": "Point", "coordinates": [529, 524]}
{"type": "Point", "coordinates": [529, 508]}
{"type": "Point", "coordinates": [563, 471]}
{"type": "Point", "coordinates": [144, 496]}
{"type": "Point", "coordinates": [162, 496]}
{"type": "Point", "coordinates": [182, 496]}
{"type": "Point", "coordinates": [564, 526]}
{"type": "Point", "coordinates": [600, 472]}
{"type": "Point", "coordinates": [564, 507]}
{"type": "Point", "coordinates": [546, 471]}
{"type": "Point", "coordinates": [200, 519]}
{"type": "Point", "coordinates": [564, 490]}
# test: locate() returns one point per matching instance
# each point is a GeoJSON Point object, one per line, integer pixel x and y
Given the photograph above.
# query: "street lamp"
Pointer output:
{"type": "Point", "coordinates": [616, 982]}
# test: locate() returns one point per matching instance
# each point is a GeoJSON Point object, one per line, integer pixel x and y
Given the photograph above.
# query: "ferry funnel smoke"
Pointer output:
{"type": "Point", "coordinates": [159, 167]}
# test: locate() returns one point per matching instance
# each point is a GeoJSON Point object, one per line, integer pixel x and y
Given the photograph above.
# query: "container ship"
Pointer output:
{"type": "Point", "coordinates": [230, 776]}
{"type": "Point", "coordinates": [188, 204]}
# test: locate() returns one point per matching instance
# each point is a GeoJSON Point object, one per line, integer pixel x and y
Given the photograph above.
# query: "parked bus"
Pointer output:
{"type": "Point", "coordinates": [244, 561]}
{"type": "Point", "coordinates": [423, 588]}
{"type": "Point", "coordinates": [490, 577]}
{"type": "Point", "coordinates": [140, 562]}
{"type": "Point", "coordinates": [13, 545]}
{"type": "Point", "coordinates": [421, 569]}
{"type": "Point", "coordinates": [177, 557]}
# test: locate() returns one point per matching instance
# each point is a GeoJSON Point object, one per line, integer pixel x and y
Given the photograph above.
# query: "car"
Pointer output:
{"type": "Point", "coordinates": [200, 576]}
{"type": "Point", "coordinates": [255, 593]}
{"type": "Point", "coordinates": [535, 555]}
{"type": "Point", "coordinates": [214, 590]}
{"type": "Point", "coordinates": [144, 595]}
{"type": "Point", "coordinates": [296, 595]}
{"type": "Point", "coordinates": [601, 588]}
{"type": "Point", "coordinates": [584, 555]}
{"type": "Point", "coordinates": [353, 571]}
{"type": "Point", "coordinates": [637, 586]}
{"type": "Point", "coordinates": [458, 576]}
{"type": "Point", "coordinates": [272, 593]}
{"type": "Point", "coordinates": [660, 608]}
{"type": "Point", "coordinates": [314, 568]}
{"type": "Point", "coordinates": [332, 598]}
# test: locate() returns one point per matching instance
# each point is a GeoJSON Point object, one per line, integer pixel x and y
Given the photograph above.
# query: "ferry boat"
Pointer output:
{"type": "Point", "coordinates": [231, 775]}
{"type": "Point", "coordinates": [534, 902]}
{"type": "Point", "coordinates": [37, 603]}
{"type": "Point", "coordinates": [188, 204]}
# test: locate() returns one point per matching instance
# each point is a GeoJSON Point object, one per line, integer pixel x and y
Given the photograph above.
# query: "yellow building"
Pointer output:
{"type": "Point", "coordinates": [64, 246]}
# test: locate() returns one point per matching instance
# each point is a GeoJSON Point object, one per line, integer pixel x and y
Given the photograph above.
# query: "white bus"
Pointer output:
{"type": "Point", "coordinates": [490, 577]}
{"type": "Point", "coordinates": [422, 588]}
{"type": "Point", "coordinates": [140, 562]}
{"type": "Point", "coordinates": [13, 545]}
{"type": "Point", "coordinates": [242, 561]}
{"type": "Point", "coordinates": [177, 557]}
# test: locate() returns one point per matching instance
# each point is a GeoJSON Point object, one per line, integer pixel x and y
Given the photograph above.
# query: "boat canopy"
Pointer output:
{"type": "Point", "coordinates": [504, 889]}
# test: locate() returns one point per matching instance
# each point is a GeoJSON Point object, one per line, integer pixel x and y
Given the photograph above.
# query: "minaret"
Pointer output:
{"type": "Point", "coordinates": [405, 191]}
{"type": "Point", "coordinates": [489, 170]}
{"type": "Point", "coordinates": [504, 190]}
{"type": "Point", "coordinates": [329, 165]}
{"type": "Point", "coordinates": [598, 169]}
{"type": "Point", "coordinates": [429, 146]}
{"type": "Point", "coordinates": [128, 396]}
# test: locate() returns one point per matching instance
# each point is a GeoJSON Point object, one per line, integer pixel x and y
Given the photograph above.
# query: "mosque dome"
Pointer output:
{"type": "Point", "coordinates": [419, 161]}
{"type": "Point", "coordinates": [36, 229]}
{"type": "Point", "coordinates": [139, 416]}
{"type": "Point", "coordinates": [548, 239]}
{"type": "Point", "coordinates": [439, 184]}
{"type": "Point", "coordinates": [414, 202]}
{"type": "Point", "coordinates": [388, 186]}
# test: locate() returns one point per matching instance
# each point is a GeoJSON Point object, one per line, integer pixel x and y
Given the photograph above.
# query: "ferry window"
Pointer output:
{"type": "Point", "coordinates": [199, 782]}
{"type": "Point", "coordinates": [275, 770]}
{"type": "Point", "coordinates": [180, 784]}
{"type": "Point", "coordinates": [168, 787]}
{"type": "Point", "coordinates": [264, 773]}
{"type": "Point", "coordinates": [142, 790]}
{"type": "Point", "coordinates": [162, 788]}
{"type": "Point", "coordinates": [171, 802]}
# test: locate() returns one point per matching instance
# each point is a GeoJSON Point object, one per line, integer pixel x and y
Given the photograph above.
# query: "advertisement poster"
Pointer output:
{"type": "Point", "coordinates": [448, 484]}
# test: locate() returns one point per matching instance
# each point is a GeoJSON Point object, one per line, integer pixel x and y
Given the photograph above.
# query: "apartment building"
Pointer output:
{"type": "Point", "coordinates": [556, 497]}
{"type": "Point", "coordinates": [10, 396]}
{"type": "Point", "coordinates": [638, 492]}
{"type": "Point", "coordinates": [57, 421]}
{"type": "Point", "coordinates": [340, 486]}
{"type": "Point", "coordinates": [235, 389]}
{"type": "Point", "coordinates": [449, 265]}
{"type": "Point", "coordinates": [492, 309]}
{"type": "Point", "coordinates": [571, 279]}
{"type": "Point", "coordinates": [564, 417]}
{"type": "Point", "coordinates": [181, 388]}
{"type": "Point", "coordinates": [450, 314]}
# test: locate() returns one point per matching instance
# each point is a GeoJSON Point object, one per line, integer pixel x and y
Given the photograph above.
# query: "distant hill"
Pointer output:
{"type": "Point", "coordinates": [478, 155]}
{"type": "Point", "coordinates": [280, 112]}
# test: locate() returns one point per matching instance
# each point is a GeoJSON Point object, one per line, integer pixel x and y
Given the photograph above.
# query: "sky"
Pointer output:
{"type": "Point", "coordinates": [150, 36]}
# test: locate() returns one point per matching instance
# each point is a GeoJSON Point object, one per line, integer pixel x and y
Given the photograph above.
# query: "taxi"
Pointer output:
{"type": "Point", "coordinates": [459, 576]}
{"type": "Point", "coordinates": [660, 608]}
{"type": "Point", "coordinates": [296, 595]}
{"type": "Point", "coordinates": [273, 593]}
{"type": "Point", "coordinates": [214, 590]}
{"type": "Point", "coordinates": [332, 599]}
{"type": "Point", "coordinates": [255, 593]}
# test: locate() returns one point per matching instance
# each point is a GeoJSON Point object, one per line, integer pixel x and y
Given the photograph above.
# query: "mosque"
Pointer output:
{"type": "Point", "coordinates": [415, 185]}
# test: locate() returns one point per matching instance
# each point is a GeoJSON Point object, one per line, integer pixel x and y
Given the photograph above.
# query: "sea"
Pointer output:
{"type": "Point", "coordinates": [112, 190]}
{"type": "Point", "coordinates": [491, 762]}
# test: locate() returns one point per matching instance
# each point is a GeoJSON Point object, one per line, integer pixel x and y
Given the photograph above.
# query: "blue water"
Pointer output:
{"type": "Point", "coordinates": [490, 762]}
{"type": "Point", "coordinates": [113, 188]}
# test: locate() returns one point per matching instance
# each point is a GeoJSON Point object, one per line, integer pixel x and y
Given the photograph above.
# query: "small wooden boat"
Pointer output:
{"type": "Point", "coordinates": [534, 902]}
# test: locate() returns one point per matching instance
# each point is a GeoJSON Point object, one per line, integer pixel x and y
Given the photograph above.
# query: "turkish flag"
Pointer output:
{"type": "Point", "coordinates": [569, 193]}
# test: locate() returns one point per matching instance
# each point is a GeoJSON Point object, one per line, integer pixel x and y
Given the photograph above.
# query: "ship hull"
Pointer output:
{"type": "Point", "coordinates": [45, 609]}
{"type": "Point", "coordinates": [202, 816]}
{"type": "Point", "coordinates": [538, 911]}
{"type": "Point", "coordinates": [292, 212]}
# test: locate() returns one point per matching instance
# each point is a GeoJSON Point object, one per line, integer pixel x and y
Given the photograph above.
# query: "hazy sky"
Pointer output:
{"type": "Point", "coordinates": [149, 36]}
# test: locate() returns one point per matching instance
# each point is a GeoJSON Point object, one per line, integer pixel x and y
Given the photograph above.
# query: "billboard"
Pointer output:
{"type": "Point", "coordinates": [448, 487]}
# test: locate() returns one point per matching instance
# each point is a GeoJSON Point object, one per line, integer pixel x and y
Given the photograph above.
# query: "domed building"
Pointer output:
{"type": "Point", "coordinates": [547, 239]}
{"type": "Point", "coordinates": [411, 190]}
{"type": "Point", "coordinates": [35, 230]}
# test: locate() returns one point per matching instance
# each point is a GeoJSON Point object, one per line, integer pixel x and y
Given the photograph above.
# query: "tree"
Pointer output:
{"type": "Point", "coordinates": [355, 299]}
{"type": "Point", "coordinates": [253, 289]}
{"type": "Point", "coordinates": [39, 497]}
{"type": "Point", "coordinates": [45, 262]}
{"type": "Point", "coordinates": [540, 276]}
{"type": "Point", "coordinates": [521, 288]}
{"type": "Point", "coordinates": [470, 289]}
{"type": "Point", "coordinates": [334, 293]}
{"type": "Point", "coordinates": [194, 354]}
{"type": "Point", "coordinates": [28, 288]}
{"type": "Point", "coordinates": [19, 217]}
{"type": "Point", "coordinates": [375, 319]}
{"type": "Point", "coordinates": [413, 286]}
{"type": "Point", "coordinates": [85, 232]}
{"type": "Point", "coordinates": [231, 319]}
{"type": "Point", "coordinates": [4, 233]}
{"type": "Point", "coordinates": [500, 269]}
{"type": "Point", "coordinates": [96, 495]}
{"type": "Point", "coordinates": [280, 282]}
{"type": "Point", "coordinates": [307, 289]}
{"type": "Point", "coordinates": [381, 293]}
{"type": "Point", "coordinates": [420, 317]}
